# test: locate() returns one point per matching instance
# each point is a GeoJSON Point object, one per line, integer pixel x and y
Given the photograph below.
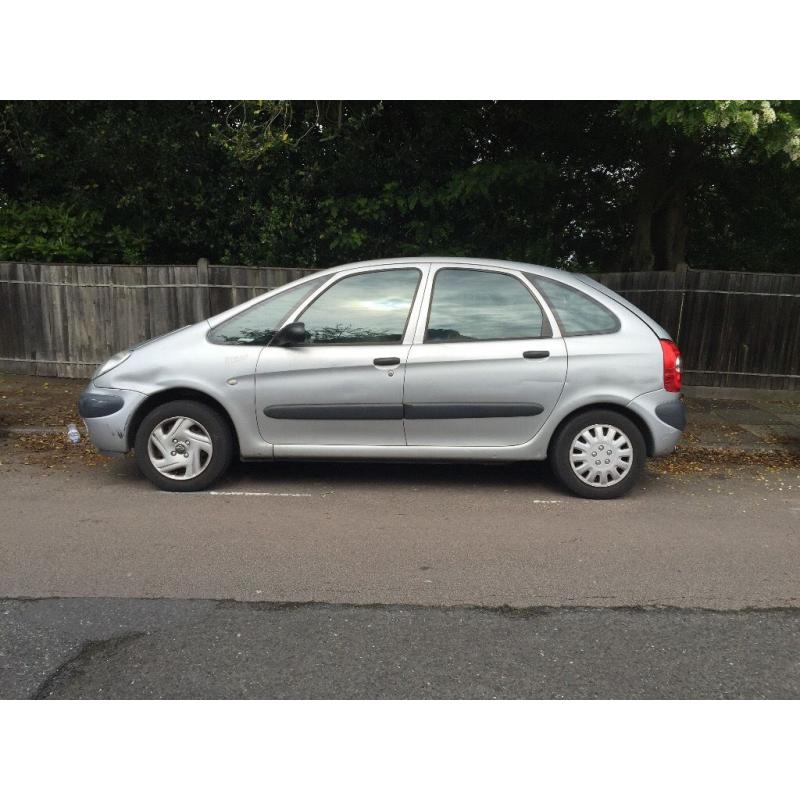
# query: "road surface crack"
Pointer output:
{"type": "Point", "coordinates": [76, 665]}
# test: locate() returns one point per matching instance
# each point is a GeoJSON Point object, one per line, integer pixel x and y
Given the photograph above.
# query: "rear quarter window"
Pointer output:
{"type": "Point", "coordinates": [577, 313]}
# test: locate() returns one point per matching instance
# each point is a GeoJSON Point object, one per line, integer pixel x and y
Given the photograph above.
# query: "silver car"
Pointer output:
{"type": "Point", "coordinates": [405, 359]}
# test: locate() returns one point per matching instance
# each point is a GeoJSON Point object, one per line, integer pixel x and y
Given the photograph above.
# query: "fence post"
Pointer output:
{"type": "Point", "coordinates": [205, 291]}
{"type": "Point", "coordinates": [682, 271]}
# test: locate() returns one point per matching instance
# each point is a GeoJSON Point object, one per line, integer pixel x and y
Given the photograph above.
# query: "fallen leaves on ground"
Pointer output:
{"type": "Point", "coordinates": [54, 450]}
{"type": "Point", "coordinates": [27, 400]}
{"type": "Point", "coordinates": [689, 460]}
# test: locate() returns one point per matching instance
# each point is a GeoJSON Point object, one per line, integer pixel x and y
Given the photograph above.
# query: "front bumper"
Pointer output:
{"type": "Point", "coordinates": [107, 414]}
{"type": "Point", "coordinates": [665, 416]}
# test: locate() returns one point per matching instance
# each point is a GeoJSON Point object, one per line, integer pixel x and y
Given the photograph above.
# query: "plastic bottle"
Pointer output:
{"type": "Point", "coordinates": [73, 433]}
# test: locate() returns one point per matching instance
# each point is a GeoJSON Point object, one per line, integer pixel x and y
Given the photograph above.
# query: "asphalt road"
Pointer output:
{"type": "Point", "coordinates": [391, 581]}
{"type": "Point", "coordinates": [418, 534]}
{"type": "Point", "coordinates": [95, 648]}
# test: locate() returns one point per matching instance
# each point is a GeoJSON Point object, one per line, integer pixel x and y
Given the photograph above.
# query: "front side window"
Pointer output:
{"type": "Point", "coordinates": [367, 308]}
{"type": "Point", "coordinates": [471, 305]}
{"type": "Point", "coordinates": [259, 323]}
{"type": "Point", "coordinates": [577, 314]}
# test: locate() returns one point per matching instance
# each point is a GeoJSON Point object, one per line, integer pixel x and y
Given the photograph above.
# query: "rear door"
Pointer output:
{"type": "Point", "coordinates": [344, 386]}
{"type": "Point", "coordinates": [485, 368]}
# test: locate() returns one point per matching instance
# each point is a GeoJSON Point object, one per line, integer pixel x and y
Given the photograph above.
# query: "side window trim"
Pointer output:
{"type": "Point", "coordinates": [553, 321]}
{"type": "Point", "coordinates": [537, 279]}
{"type": "Point", "coordinates": [306, 304]}
{"type": "Point", "coordinates": [547, 331]}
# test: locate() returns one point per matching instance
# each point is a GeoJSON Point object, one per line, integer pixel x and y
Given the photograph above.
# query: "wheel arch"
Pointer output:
{"type": "Point", "coordinates": [179, 393]}
{"type": "Point", "coordinates": [625, 411]}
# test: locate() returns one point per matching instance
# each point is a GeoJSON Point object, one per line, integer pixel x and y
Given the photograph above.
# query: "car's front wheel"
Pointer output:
{"type": "Point", "coordinates": [599, 454]}
{"type": "Point", "coordinates": [183, 446]}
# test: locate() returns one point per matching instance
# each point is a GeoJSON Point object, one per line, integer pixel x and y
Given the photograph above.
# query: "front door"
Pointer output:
{"type": "Point", "coordinates": [344, 386]}
{"type": "Point", "coordinates": [486, 369]}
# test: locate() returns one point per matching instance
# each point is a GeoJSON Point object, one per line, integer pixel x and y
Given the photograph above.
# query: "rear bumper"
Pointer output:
{"type": "Point", "coordinates": [672, 414]}
{"type": "Point", "coordinates": [107, 414]}
{"type": "Point", "coordinates": [665, 417]}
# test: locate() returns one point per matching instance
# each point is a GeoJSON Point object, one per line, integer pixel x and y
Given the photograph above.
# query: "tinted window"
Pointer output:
{"type": "Point", "coordinates": [259, 323]}
{"type": "Point", "coordinates": [577, 314]}
{"type": "Point", "coordinates": [369, 308]}
{"type": "Point", "coordinates": [470, 305]}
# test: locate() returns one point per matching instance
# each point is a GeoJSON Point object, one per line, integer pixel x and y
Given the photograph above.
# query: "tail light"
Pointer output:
{"type": "Point", "coordinates": [673, 376]}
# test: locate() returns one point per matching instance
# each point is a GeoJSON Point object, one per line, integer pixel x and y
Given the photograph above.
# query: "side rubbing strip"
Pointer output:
{"type": "Point", "coordinates": [345, 411]}
{"type": "Point", "coordinates": [470, 410]}
{"type": "Point", "coordinates": [366, 411]}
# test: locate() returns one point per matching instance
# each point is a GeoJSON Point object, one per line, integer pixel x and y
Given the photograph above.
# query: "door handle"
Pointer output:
{"type": "Point", "coordinates": [536, 354]}
{"type": "Point", "coordinates": [386, 362]}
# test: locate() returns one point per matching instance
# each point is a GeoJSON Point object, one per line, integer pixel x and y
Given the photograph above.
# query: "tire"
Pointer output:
{"type": "Point", "coordinates": [203, 450]}
{"type": "Point", "coordinates": [585, 469]}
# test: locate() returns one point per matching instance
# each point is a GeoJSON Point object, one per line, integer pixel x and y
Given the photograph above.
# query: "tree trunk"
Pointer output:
{"type": "Point", "coordinates": [660, 224]}
{"type": "Point", "coordinates": [669, 230]}
{"type": "Point", "coordinates": [641, 255]}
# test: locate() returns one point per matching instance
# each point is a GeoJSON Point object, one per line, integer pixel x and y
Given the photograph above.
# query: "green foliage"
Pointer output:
{"type": "Point", "coordinates": [39, 232]}
{"type": "Point", "coordinates": [45, 233]}
{"type": "Point", "coordinates": [315, 183]}
{"type": "Point", "coordinates": [775, 124]}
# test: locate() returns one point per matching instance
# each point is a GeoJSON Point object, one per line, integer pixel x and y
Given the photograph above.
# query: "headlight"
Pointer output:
{"type": "Point", "coordinates": [112, 362]}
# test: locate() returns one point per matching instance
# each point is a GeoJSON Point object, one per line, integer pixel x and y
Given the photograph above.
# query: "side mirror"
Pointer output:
{"type": "Point", "coordinates": [293, 333]}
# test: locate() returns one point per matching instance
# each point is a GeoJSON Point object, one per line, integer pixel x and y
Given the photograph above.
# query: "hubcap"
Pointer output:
{"type": "Point", "coordinates": [179, 448]}
{"type": "Point", "coordinates": [601, 455]}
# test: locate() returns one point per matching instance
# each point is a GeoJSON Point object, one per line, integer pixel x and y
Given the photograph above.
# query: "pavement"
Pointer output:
{"type": "Point", "coordinates": [401, 580]}
{"type": "Point", "coordinates": [735, 420]}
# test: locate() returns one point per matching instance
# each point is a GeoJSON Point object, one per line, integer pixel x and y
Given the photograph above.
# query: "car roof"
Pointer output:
{"type": "Point", "coordinates": [538, 269]}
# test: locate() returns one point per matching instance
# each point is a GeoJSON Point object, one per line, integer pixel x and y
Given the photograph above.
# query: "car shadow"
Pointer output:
{"type": "Point", "coordinates": [270, 475]}
{"type": "Point", "coordinates": [407, 474]}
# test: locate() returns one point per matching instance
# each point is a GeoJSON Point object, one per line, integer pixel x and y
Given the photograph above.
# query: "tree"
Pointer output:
{"type": "Point", "coordinates": [120, 181]}
{"type": "Point", "coordinates": [675, 138]}
{"type": "Point", "coordinates": [596, 186]}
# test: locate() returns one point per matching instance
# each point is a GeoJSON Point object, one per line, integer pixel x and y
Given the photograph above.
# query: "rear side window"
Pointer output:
{"type": "Point", "coordinates": [471, 306]}
{"type": "Point", "coordinates": [259, 323]}
{"type": "Point", "coordinates": [577, 314]}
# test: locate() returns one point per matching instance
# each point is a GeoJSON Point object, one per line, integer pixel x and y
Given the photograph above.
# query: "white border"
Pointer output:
{"type": "Point", "coordinates": [422, 749]}
{"type": "Point", "coordinates": [424, 49]}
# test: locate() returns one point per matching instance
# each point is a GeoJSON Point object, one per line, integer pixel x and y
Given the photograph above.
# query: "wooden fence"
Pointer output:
{"type": "Point", "coordinates": [65, 319]}
{"type": "Point", "coordinates": [739, 329]}
{"type": "Point", "coordinates": [734, 328]}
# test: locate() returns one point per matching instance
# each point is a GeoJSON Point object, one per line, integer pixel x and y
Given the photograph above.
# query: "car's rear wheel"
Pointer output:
{"type": "Point", "coordinates": [599, 454]}
{"type": "Point", "coordinates": [183, 446]}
